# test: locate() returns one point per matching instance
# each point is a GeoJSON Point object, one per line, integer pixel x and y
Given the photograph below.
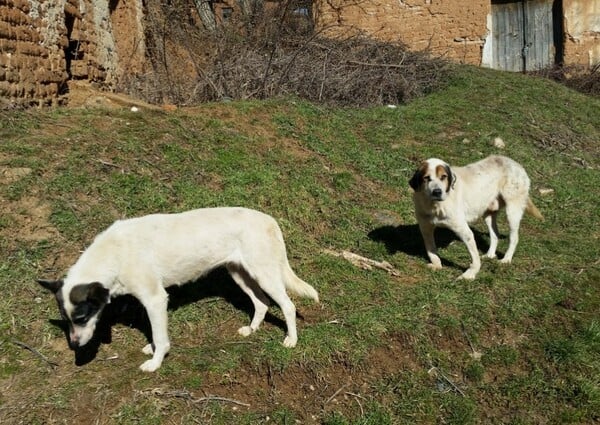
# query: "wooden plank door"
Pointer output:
{"type": "Point", "coordinates": [508, 36]}
{"type": "Point", "coordinates": [539, 35]}
{"type": "Point", "coordinates": [522, 32]}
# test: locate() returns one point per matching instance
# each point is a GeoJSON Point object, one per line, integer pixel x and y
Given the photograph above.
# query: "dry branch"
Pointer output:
{"type": "Point", "coordinates": [364, 262]}
{"type": "Point", "coordinates": [34, 351]}
{"type": "Point", "coordinates": [437, 373]}
{"type": "Point", "coordinates": [186, 395]}
{"type": "Point", "coordinates": [339, 390]}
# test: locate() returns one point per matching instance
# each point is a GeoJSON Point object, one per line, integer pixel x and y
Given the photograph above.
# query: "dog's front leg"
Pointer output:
{"type": "Point", "coordinates": [156, 307]}
{"type": "Point", "coordinates": [466, 235]}
{"type": "Point", "coordinates": [427, 231]}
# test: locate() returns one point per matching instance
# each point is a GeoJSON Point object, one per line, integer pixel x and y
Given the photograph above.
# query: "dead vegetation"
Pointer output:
{"type": "Point", "coordinates": [578, 78]}
{"type": "Point", "coordinates": [275, 52]}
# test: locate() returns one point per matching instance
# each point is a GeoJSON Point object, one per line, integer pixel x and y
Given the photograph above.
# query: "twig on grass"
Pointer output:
{"type": "Point", "coordinates": [107, 164]}
{"type": "Point", "coordinates": [223, 399]}
{"type": "Point", "coordinates": [439, 374]}
{"type": "Point", "coordinates": [356, 398]}
{"type": "Point", "coordinates": [335, 394]}
{"type": "Point", "coordinates": [34, 351]}
{"type": "Point", "coordinates": [364, 262]}
{"type": "Point", "coordinates": [474, 353]}
{"type": "Point", "coordinates": [186, 395]}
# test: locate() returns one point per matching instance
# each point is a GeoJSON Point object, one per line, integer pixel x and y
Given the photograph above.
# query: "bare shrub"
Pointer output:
{"type": "Point", "coordinates": [579, 78]}
{"type": "Point", "coordinates": [274, 53]}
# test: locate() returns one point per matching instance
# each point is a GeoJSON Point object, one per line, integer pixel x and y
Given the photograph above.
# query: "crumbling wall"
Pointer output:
{"type": "Point", "coordinates": [455, 29]}
{"type": "Point", "coordinates": [46, 43]}
{"type": "Point", "coordinates": [582, 32]}
{"type": "Point", "coordinates": [30, 70]}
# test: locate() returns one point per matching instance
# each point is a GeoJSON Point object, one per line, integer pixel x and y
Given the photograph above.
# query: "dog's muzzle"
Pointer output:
{"type": "Point", "coordinates": [436, 194]}
{"type": "Point", "coordinates": [74, 343]}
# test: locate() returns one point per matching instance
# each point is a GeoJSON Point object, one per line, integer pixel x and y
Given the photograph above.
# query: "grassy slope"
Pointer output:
{"type": "Point", "coordinates": [519, 345]}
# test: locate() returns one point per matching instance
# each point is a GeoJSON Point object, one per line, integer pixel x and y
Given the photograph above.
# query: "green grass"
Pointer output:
{"type": "Point", "coordinates": [518, 345]}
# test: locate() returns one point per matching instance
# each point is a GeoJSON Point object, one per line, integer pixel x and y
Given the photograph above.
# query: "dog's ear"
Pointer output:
{"type": "Point", "coordinates": [98, 294]}
{"type": "Point", "coordinates": [51, 285]}
{"type": "Point", "coordinates": [93, 293]}
{"type": "Point", "coordinates": [416, 180]}
{"type": "Point", "coordinates": [451, 178]}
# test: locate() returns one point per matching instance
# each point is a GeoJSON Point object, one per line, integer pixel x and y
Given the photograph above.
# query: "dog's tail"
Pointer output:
{"type": "Point", "coordinates": [531, 209]}
{"type": "Point", "coordinates": [298, 286]}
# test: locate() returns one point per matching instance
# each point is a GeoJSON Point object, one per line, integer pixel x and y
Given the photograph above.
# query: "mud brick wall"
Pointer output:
{"type": "Point", "coordinates": [29, 71]}
{"type": "Point", "coordinates": [456, 29]}
{"type": "Point", "coordinates": [582, 31]}
{"type": "Point", "coordinates": [46, 43]}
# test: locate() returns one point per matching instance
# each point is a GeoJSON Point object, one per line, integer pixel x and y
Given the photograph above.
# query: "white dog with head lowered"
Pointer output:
{"type": "Point", "coordinates": [142, 256]}
{"type": "Point", "coordinates": [453, 197]}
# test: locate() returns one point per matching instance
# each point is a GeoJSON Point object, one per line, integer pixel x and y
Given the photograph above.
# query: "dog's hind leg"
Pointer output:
{"type": "Point", "coordinates": [514, 213]}
{"type": "Point", "coordinates": [156, 307]}
{"type": "Point", "coordinates": [259, 300]}
{"type": "Point", "coordinates": [490, 220]}
{"type": "Point", "coordinates": [272, 283]}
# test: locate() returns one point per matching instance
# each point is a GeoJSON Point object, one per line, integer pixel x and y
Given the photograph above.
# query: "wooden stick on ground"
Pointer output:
{"type": "Point", "coordinates": [364, 262]}
{"type": "Point", "coordinates": [34, 351]}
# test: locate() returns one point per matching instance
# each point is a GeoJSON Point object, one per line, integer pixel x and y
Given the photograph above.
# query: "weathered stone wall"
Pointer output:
{"type": "Point", "coordinates": [46, 43]}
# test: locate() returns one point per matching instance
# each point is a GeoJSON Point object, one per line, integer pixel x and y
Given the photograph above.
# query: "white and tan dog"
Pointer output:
{"type": "Point", "coordinates": [142, 256]}
{"type": "Point", "coordinates": [454, 197]}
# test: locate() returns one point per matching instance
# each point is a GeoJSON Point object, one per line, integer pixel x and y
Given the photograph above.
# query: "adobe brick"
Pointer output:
{"type": "Point", "coordinates": [14, 16]}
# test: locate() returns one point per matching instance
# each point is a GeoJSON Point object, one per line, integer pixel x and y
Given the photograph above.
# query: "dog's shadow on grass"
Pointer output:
{"type": "Point", "coordinates": [407, 238]}
{"type": "Point", "coordinates": [127, 310]}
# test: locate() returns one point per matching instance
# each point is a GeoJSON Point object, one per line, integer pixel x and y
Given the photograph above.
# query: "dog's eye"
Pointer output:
{"type": "Point", "coordinates": [427, 178]}
{"type": "Point", "coordinates": [443, 177]}
{"type": "Point", "coordinates": [83, 313]}
{"type": "Point", "coordinates": [80, 320]}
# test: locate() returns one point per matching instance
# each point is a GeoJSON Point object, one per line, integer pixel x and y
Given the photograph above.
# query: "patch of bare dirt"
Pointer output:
{"type": "Point", "coordinates": [28, 214]}
{"type": "Point", "coordinates": [86, 95]}
{"type": "Point", "coordinates": [11, 174]}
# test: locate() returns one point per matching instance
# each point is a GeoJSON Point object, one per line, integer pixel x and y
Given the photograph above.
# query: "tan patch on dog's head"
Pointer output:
{"type": "Point", "coordinates": [444, 174]}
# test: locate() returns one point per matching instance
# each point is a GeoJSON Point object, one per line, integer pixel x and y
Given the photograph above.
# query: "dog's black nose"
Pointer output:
{"type": "Point", "coordinates": [436, 193]}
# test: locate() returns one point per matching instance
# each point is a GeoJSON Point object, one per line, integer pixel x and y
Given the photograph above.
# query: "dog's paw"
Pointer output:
{"type": "Point", "coordinates": [150, 365]}
{"type": "Point", "coordinates": [289, 342]}
{"type": "Point", "coordinates": [245, 331]}
{"type": "Point", "coordinates": [435, 266]}
{"type": "Point", "coordinates": [148, 350]}
{"type": "Point", "coordinates": [490, 255]}
{"type": "Point", "coordinates": [468, 275]}
{"type": "Point", "coordinates": [506, 260]}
